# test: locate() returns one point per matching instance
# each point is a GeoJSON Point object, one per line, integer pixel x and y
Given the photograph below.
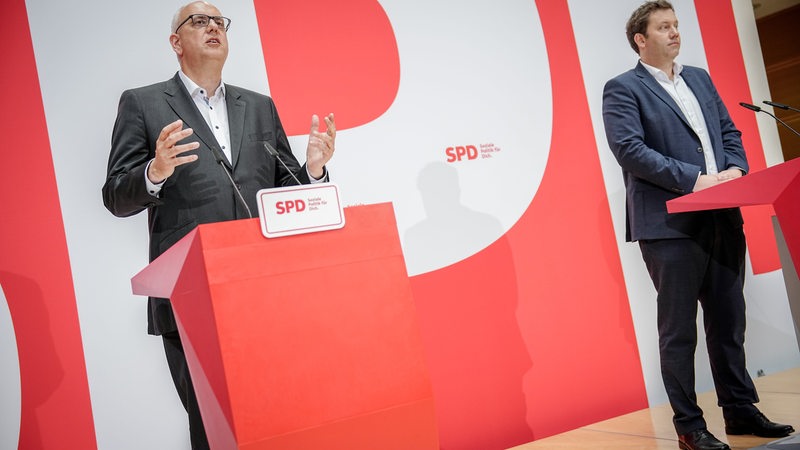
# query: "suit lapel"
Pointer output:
{"type": "Point", "coordinates": [695, 84]}
{"type": "Point", "coordinates": [183, 105]}
{"type": "Point", "coordinates": [659, 91]}
{"type": "Point", "coordinates": [236, 108]}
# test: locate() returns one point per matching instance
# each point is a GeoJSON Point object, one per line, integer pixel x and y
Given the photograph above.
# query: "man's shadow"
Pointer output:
{"type": "Point", "coordinates": [476, 355]}
{"type": "Point", "coordinates": [41, 371]}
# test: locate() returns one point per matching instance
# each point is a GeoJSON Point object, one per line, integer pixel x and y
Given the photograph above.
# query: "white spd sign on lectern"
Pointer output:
{"type": "Point", "coordinates": [306, 208]}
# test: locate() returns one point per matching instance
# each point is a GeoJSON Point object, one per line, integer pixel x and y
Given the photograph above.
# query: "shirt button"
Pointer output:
{"type": "Point", "coordinates": [699, 149]}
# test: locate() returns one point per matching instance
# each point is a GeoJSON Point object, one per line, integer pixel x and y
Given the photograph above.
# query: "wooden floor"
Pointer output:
{"type": "Point", "coordinates": [651, 429]}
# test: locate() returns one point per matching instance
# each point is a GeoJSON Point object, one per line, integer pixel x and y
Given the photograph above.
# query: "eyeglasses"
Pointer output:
{"type": "Point", "coordinates": [202, 21]}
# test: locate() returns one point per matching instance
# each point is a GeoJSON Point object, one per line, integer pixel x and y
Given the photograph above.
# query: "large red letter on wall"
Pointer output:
{"type": "Point", "coordinates": [323, 57]}
{"type": "Point", "coordinates": [34, 268]}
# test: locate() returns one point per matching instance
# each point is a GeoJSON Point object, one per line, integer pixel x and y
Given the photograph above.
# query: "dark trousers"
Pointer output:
{"type": "Point", "coordinates": [708, 268]}
{"type": "Point", "coordinates": [176, 359]}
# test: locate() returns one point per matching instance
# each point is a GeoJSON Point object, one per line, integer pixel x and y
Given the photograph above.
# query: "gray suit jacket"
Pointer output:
{"type": "Point", "coordinates": [198, 192]}
{"type": "Point", "coordinates": [659, 152]}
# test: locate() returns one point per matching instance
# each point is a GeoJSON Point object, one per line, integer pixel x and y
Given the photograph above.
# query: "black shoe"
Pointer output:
{"type": "Point", "coordinates": [758, 425]}
{"type": "Point", "coordinates": [700, 440]}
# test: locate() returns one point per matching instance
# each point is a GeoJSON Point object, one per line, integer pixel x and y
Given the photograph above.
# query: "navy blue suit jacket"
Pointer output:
{"type": "Point", "coordinates": [659, 152]}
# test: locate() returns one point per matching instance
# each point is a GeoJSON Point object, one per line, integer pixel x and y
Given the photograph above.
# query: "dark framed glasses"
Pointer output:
{"type": "Point", "coordinates": [202, 21]}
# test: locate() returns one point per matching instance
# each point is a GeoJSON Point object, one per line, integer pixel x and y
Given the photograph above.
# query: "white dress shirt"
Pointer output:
{"type": "Point", "coordinates": [687, 102]}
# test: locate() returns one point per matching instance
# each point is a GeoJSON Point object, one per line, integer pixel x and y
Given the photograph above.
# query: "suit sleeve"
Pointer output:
{"type": "Point", "coordinates": [626, 125]}
{"type": "Point", "coordinates": [125, 192]}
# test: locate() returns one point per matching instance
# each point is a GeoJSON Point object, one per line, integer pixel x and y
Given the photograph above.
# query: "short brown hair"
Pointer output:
{"type": "Point", "coordinates": [637, 24]}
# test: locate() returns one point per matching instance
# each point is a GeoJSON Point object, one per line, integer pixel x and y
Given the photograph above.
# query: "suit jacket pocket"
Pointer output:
{"type": "Point", "coordinates": [169, 239]}
{"type": "Point", "coordinates": [658, 223]}
{"type": "Point", "coordinates": [260, 136]}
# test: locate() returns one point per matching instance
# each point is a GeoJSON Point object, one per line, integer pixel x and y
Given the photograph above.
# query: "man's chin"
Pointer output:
{"type": "Point", "coordinates": [217, 53]}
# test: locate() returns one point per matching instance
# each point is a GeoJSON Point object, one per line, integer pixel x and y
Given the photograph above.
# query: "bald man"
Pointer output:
{"type": "Point", "coordinates": [171, 147]}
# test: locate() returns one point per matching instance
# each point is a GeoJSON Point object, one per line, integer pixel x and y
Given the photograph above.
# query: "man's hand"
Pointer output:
{"type": "Point", "coordinates": [320, 146]}
{"type": "Point", "coordinates": [167, 153]}
{"type": "Point", "coordinates": [729, 174]}
{"type": "Point", "coordinates": [707, 181]}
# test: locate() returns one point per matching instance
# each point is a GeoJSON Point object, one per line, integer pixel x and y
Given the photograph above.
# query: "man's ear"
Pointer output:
{"type": "Point", "coordinates": [640, 39]}
{"type": "Point", "coordinates": [175, 42]}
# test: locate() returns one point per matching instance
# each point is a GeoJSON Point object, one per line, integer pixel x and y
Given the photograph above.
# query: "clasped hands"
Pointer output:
{"type": "Point", "coordinates": [707, 181]}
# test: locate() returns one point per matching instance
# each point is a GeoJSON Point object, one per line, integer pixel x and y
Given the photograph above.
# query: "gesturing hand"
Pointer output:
{"type": "Point", "coordinates": [320, 146]}
{"type": "Point", "coordinates": [167, 152]}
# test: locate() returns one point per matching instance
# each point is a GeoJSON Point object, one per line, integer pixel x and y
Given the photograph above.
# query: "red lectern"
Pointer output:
{"type": "Point", "coordinates": [300, 342]}
{"type": "Point", "coordinates": [778, 186]}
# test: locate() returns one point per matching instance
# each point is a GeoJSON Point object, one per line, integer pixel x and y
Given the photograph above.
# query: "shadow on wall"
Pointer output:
{"type": "Point", "coordinates": [35, 346]}
{"type": "Point", "coordinates": [476, 355]}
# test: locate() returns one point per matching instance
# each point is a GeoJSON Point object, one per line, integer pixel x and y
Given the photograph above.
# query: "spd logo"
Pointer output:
{"type": "Point", "coordinates": [468, 152]}
{"type": "Point", "coordinates": [288, 206]}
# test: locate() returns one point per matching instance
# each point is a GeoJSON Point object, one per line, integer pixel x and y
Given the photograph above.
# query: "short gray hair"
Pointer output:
{"type": "Point", "coordinates": [176, 19]}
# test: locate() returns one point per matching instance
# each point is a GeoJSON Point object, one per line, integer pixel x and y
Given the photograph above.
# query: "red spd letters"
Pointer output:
{"type": "Point", "coordinates": [461, 152]}
{"type": "Point", "coordinates": [286, 207]}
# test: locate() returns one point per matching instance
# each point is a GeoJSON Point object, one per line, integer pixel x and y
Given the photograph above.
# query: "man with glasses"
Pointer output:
{"type": "Point", "coordinates": [186, 148]}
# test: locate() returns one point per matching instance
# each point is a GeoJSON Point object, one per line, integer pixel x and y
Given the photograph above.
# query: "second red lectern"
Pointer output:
{"type": "Point", "coordinates": [301, 342]}
{"type": "Point", "coordinates": [778, 186]}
